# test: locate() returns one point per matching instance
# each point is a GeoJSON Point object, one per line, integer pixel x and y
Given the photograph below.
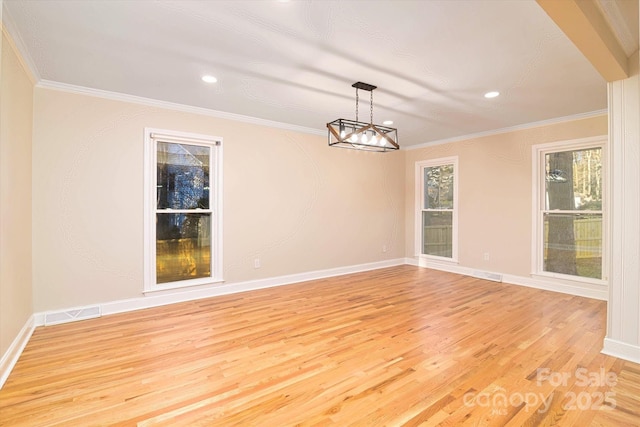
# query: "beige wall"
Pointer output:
{"type": "Point", "coordinates": [288, 199]}
{"type": "Point", "coordinates": [16, 115]}
{"type": "Point", "coordinates": [494, 192]}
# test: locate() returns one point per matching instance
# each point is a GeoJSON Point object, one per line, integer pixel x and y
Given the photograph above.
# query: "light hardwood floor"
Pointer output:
{"type": "Point", "coordinates": [396, 346]}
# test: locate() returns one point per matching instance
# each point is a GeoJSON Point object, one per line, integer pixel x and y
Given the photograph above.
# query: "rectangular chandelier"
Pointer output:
{"type": "Point", "coordinates": [359, 135]}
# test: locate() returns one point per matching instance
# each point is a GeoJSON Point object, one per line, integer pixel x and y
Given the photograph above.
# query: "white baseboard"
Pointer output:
{"type": "Point", "coordinates": [621, 350]}
{"type": "Point", "coordinates": [600, 293]}
{"type": "Point", "coordinates": [156, 300]}
{"type": "Point", "coordinates": [577, 290]}
{"type": "Point", "coordinates": [11, 356]}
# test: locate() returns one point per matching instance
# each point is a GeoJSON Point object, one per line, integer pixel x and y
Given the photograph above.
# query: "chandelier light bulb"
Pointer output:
{"type": "Point", "coordinates": [364, 138]}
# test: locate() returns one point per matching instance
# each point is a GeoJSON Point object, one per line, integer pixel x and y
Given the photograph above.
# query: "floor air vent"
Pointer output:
{"type": "Point", "coordinates": [83, 313]}
{"type": "Point", "coordinates": [488, 276]}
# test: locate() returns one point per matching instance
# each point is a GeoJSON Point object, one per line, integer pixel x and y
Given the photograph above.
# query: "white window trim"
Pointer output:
{"type": "Point", "coordinates": [537, 192]}
{"type": "Point", "coordinates": [419, 188]}
{"type": "Point", "coordinates": [151, 135]}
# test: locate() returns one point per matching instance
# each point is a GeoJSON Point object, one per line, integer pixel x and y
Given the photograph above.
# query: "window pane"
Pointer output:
{"type": "Point", "coordinates": [438, 187]}
{"type": "Point", "coordinates": [183, 246]}
{"type": "Point", "coordinates": [437, 233]}
{"type": "Point", "coordinates": [573, 244]}
{"type": "Point", "coordinates": [182, 176]}
{"type": "Point", "coordinates": [574, 180]}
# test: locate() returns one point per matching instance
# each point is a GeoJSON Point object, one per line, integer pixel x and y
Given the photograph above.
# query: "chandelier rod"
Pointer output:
{"type": "Point", "coordinates": [371, 103]}
{"type": "Point", "coordinates": [357, 103]}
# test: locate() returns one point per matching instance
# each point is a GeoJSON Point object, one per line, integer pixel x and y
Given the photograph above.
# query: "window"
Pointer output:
{"type": "Point", "coordinates": [436, 217]}
{"type": "Point", "coordinates": [182, 210]}
{"type": "Point", "coordinates": [569, 219]}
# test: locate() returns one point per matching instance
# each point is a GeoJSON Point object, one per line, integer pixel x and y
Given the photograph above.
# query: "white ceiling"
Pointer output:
{"type": "Point", "coordinates": [294, 62]}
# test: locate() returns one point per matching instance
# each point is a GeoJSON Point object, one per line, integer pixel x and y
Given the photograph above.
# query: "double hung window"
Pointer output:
{"type": "Point", "coordinates": [437, 183]}
{"type": "Point", "coordinates": [569, 227]}
{"type": "Point", "coordinates": [183, 209]}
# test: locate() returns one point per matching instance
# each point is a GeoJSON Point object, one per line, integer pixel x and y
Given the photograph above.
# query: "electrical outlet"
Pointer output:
{"type": "Point", "coordinates": [256, 263]}
{"type": "Point", "coordinates": [486, 256]}
{"type": "Point", "coordinates": [384, 248]}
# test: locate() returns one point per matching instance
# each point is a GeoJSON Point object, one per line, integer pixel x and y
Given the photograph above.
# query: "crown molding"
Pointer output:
{"type": "Point", "coordinates": [10, 30]}
{"type": "Point", "coordinates": [117, 96]}
{"type": "Point", "coordinates": [524, 126]}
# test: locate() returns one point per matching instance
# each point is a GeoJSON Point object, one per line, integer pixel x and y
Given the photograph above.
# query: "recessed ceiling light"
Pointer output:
{"type": "Point", "coordinates": [387, 122]}
{"type": "Point", "coordinates": [209, 79]}
{"type": "Point", "coordinates": [492, 94]}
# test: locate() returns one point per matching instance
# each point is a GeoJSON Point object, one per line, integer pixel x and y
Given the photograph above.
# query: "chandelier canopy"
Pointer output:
{"type": "Point", "coordinates": [358, 135]}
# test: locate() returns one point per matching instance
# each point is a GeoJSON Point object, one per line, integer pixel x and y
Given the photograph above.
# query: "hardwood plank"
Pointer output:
{"type": "Point", "coordinates": [395, 346]}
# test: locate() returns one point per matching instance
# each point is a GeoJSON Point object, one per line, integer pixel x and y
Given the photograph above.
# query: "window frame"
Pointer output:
{"type": "Point", "coordinates": [419, 208]}
{"type": "Point", "coordinates": [151, 137]}
{"type": "Point", "coordinates": [539, 152]}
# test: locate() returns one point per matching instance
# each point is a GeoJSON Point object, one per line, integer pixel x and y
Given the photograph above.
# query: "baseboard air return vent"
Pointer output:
{"type": "Point", "coordinates": [57, 317]}
{"type": "Point", "coordinates": [496, 277]}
